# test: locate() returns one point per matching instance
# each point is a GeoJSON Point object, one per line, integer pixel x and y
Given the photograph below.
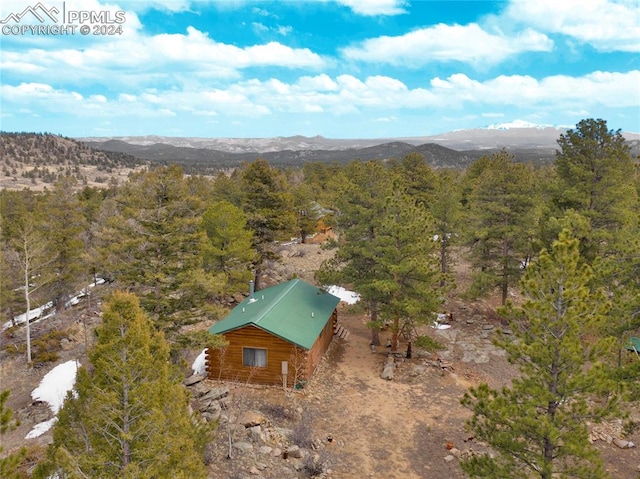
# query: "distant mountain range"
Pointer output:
{"type": "Point", "coordinates": [34, 160]}
{"type": "Point", "coordinates": [505, 135]}
{"type": "Point", "coordinates": [526, 141]}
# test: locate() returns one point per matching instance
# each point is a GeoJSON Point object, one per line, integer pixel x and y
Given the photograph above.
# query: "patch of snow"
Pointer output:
{"type": "Point", "coordinates": [199, 366]}
{"type": "Point", "coordinates": [347, 296]}
{"type": "Point", "coordinates": [40, 428]}
{"type": "Point", "coordinates": [38, 314]}
{"type": "Point", "coordinates": [53, 389]}
{"type": "Point", "coordinates": [35, 313]}
{"type": "Point", "coordinates": [441, 320]}
{"type": "Point", "coordinates": [441, 326]}
{"type": "Point", "coordinates": [515, 124]}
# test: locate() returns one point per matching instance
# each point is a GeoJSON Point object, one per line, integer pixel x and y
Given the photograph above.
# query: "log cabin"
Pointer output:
{"type": "Point", "coordinates": [276, 336]}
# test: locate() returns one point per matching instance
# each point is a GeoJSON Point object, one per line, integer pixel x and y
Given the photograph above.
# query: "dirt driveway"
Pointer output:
{"type": "Point", "coordinates": [390, 428]}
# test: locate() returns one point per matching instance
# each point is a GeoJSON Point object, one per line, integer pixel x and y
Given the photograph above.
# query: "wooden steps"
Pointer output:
{"type": "Point", "coordinates": [341, 332]}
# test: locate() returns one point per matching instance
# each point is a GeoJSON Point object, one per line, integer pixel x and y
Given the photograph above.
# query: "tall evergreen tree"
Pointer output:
{"type": "Point", "coordinates": [306, 209]}
{"type": "Point", "coordinates": [502, 221]}
{"type": "Point", "coordinates": [64, 228]}
{"type": "Point", "coordinates": [538, 426]}
{"type": "Point", "coordinates": [128, 417]}
{"type": "Point", "coordinates": [446, 209]}
{"type": "Point", "coordinates": [363, 189]}
{"type": "Point", "coordinates": [419, 180]}
{"type": "Point", "coordinates": [596, 179]}
{"type": "Point", "coordinates": [386, 252]}
{"type": "Point", "coordinates": [407, 276]}
{"type": "Point", "coordinates": [229, 246]}
{"type": "Point", "coordinates": [268, 205]}
{"type": "Point", "coordinates": [153, 243]}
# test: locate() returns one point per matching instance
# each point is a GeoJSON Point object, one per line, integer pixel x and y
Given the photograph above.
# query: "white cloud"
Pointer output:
{"type": "Point", "coordinates": [385, 119]}
{"type": "Point", "coordinates": [321, 82]}
{"type": "Point", "coordinates": [259, 27]}
{"type": "Point", "coordinates": [284, 30]}
{"type": "Point", "coordinates": [611, 89]}
{"type": "Point", "coordinates": [144, 60]}
{"type": "Point", "coordinates": [606, 25]}
{"type": "Point", "coordinates": [443, 43]}
{"type": "Point", "coordinates": [344, 94]}
{"type": "Point", "coordinates": [375, 7]}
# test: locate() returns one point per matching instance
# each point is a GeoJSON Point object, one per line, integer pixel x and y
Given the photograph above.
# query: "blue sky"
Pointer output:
{"type": "Point", "coordinates": [340, 69]}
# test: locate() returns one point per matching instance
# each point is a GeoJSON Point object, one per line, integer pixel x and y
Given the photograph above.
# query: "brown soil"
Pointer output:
{"type": "Point", "coordinates": [380, 428]}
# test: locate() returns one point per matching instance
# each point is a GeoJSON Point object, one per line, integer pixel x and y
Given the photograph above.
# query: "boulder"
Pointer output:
{"type": "Point", "coordinates": [256, 434]}
{"type": "Point", "coordinates": [294, 451]}
{"type": "Point", "coordinates": [250, 419]}
{"type": "Point", "coordinates": [214, 394]}
{"type": "Point", "coordinates": [266, 450]}
{"type": "Point", "coordinates": [387, 372]}
{"type": "Point", "coordinates": [243, 446]}
{"type": "Point", "coordinates": [193, 379]}
{"type": "Point", "coordinates": [623, 444]}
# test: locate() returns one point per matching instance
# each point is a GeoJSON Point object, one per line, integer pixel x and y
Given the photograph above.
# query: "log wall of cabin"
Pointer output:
{"type": "Point", "coordinates": [314, 355]}
{"type": "Point", "coordinates": [226, 364]}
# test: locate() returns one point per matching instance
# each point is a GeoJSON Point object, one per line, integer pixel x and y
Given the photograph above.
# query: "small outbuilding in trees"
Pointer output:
{"type": "Point", "coordinates": [275, 335]}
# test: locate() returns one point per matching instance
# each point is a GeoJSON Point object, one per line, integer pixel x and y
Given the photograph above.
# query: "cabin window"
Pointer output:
{"type": "Point", "coordinates": [254, 357]}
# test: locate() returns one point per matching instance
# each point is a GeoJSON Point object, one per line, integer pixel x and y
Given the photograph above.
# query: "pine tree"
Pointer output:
{"type": "Point", "coordinates": [596, 179]}
{"type": "Point", "coordinates": [64, 228]}
{"type": "Point", "coordinates": [128, 415]}
{"type": "Point", "coordinates": [152, 242]}
{"type": "Point", "coordinates": [269, 208]}
{"type": "Point", "coordinates": [9, 463]}
{"type": "Point", "coordinates": [502, 221]}
{"type": "Point", "coordinates": [387, 253]}
{"type": "Point", "coordinates": [418, 179]}
{"type": "Point", "coordinates": [307, 215]}
{"type": "Point", "coordinates": [538, 426]}
{"type": "Point", "coordinates": [362, 192]}
{"type": "Point", "coordinates": [407, 279]}
{"type": "Point", "coordinates": [446, 209]}
{"type": "Point", "coordinates": [229, 246]}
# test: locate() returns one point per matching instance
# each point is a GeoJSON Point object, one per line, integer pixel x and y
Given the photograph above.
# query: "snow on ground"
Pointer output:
{"type": "Point", "coordinates": [53, 389]}
{"type": "Point", "coordinates": [347, 296]}
{"type": "Point", "coordinates": [38, 314]}
{"type": "Point", "coordinates": [33, 314]}
{"type": "Point", "coordinates": [199, 366]}
{"type": "Point", "coordinates": [441, 321]}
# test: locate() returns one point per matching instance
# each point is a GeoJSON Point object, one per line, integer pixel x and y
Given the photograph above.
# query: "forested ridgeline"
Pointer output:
{"type": "Point", "coordinates": [40, 159]}
{"type": "Point", "coordinates": [566, 235]}
{"type": "Point", "coordinates": [37, 160]}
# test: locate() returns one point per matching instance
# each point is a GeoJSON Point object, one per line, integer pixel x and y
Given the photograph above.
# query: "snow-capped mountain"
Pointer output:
{"type": "Point", "coordinates": [520, 124]}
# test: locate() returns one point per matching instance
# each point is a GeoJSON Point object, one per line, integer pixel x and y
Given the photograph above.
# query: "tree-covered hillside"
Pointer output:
{"type": "Point", "coordinates": [34, 160]}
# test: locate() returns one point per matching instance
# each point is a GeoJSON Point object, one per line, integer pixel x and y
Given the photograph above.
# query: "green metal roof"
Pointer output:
{"type": "Point", "coordinates": [294, 311]}
{"type": "Point", "coordinates": [634, 344]}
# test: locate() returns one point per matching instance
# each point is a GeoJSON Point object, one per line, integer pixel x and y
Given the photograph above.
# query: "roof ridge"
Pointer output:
{"type": "Point", "coordinates": [276, 300]}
